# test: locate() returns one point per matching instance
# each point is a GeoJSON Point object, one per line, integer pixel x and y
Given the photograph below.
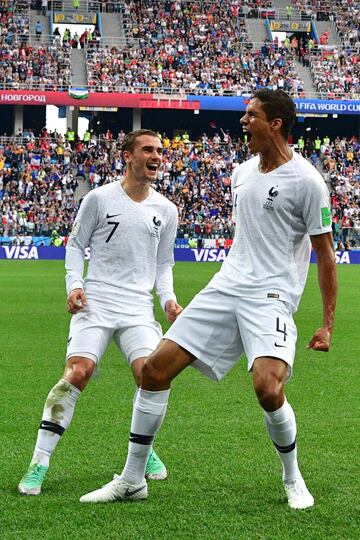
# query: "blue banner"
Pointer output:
{"type": "Point", "coordinates": [26, 240]}
{"type": "Point", "coordinates": [181, 254]}
{"type": "Point", "coordinates": [315, 106]}
{"type": "Point", "coordinates": [182, 243]}
{"type": "Point", "coordinates": [32, 252]}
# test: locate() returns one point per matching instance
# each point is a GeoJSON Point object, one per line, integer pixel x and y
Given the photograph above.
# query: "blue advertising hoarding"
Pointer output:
{"type": "Point", "coordinates": [315, 106]}
{"type": "Point", "coordinates": [181, 254]}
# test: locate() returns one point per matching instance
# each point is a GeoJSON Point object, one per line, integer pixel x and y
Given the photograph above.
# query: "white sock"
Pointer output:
{"type": "Point", "coordinates": [134, 399]}
{"type": "Point", "coordinates": [148, 415]}
{"type": "Point", "coordinates": [281, 426]}
{"type": "Point", "coordinates": [58, 412]}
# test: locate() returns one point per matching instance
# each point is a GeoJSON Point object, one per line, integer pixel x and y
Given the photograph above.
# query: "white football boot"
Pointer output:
{"type": "Point", "coordinates": [117, 490]}
{"type": "Point", "coordinates": [299, 497]}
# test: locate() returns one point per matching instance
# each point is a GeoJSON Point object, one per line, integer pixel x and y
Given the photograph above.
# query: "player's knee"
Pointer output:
{"type": "Point", "coordinates": [152, 376]}
{"type": "Point", "coordinates": [269, 393]}
{"type": "Point", "coordinates": [78, 371]}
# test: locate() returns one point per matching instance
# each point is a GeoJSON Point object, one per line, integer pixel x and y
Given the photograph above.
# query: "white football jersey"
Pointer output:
{"type": "Point", "coordinates": [275, 213]}
{"type": "Point", "coordinates": [131, 246]}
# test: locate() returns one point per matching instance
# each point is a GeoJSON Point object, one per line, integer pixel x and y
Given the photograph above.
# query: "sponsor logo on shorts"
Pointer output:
{"type": "Point", "coordinates": [277, 345]}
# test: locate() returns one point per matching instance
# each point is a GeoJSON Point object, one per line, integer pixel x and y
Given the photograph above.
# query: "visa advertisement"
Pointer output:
{"type": "Point", "coordinates": [185, 255]}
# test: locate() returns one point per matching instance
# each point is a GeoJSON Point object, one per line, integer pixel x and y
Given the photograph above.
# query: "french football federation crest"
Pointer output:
{"type": "Point", "coordinates": [269, 203]}
{"type": "Point", "coordinates": [156, 221]}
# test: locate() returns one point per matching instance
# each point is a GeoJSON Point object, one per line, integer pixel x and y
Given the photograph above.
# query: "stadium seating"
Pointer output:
{"type": "Point", "coordinates": [24, 63]}
{"type": "Point", "coordinates": [38, 179]}
{"type": "Point", "coordinates": [199, 47]}
{"type": "Point", "coordinates": [336, 74]}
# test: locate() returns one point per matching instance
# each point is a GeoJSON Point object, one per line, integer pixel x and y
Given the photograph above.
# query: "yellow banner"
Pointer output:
{"type": "Point", "coordinates": [75, 18]}
{"type": "Point", "coordinates": [290, 26]}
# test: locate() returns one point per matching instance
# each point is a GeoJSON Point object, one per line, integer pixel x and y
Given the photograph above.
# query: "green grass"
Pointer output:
{"type": "Point", "coordinates": [225, 479]}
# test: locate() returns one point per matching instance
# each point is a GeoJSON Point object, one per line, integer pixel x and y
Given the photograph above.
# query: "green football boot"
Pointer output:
{"type": "Point", "coordinates": [155, 468]}
{"type": "Point", "coordinates": [31, 482]}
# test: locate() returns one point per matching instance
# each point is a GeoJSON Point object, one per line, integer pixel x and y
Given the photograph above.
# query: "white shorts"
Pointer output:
{"type": "Point", "coordinates": [92, 329]}
{"type": "Point", "coordinates": [217, 328]}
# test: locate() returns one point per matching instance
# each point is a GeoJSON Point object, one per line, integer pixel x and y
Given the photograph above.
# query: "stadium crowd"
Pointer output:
{"type": "Point", "coordinates": [14, 23]}
{"type": "Point", "coordinates": [341, 159]}
{"type": "Point", "coordinates": [23, 64]}
{"type": "Point", "coordinates": [337, 73]}
{"type": "Point", "coordinates": [346, 14]}
{"type": "Point", "coordinates": [198, 47]}
{"type": "Point", "coordinates": [44, 67]}
{"type": "Point", "coordinates": [39, 177]}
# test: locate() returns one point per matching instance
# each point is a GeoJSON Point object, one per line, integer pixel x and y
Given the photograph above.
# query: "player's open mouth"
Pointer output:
{"type": "Point", "coordinates": [153, 167]}
{"type": "Point", "coordinates": [248, 133]}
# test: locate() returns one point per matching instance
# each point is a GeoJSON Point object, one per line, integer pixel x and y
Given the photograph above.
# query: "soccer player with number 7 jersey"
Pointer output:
{"type": "Point", "coordinates": [131, 230]}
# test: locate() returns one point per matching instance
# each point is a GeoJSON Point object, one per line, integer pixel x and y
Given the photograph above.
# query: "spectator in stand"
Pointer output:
{"type": "Point", "coordinates": [56, 34]}
{"type": "Point", "coordinates": [83, 39]}
{"type": "Point", "coordinates": [74, 42]}
{"type": "Point", "coordinates": [38, 30]}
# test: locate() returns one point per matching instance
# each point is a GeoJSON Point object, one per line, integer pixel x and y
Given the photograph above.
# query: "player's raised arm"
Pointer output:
{"type": "Point", "coordinates": [324, 249]}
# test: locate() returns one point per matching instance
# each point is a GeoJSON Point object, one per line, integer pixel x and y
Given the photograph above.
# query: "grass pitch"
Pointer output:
{"type": "Point", "coordinates": [224, 476]}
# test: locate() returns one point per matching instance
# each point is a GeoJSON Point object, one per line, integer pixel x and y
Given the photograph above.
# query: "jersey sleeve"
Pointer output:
{"type": "Point", "coordinates": [165, 259]}
{"type": "Point", "coordinates": [79, 239]}
{"type": "Point", "coordinates": [234, 181]}
{"type": "Point", "coordinates": [233, 184]}
{"type": "Point", "coordinates": [316, 207]}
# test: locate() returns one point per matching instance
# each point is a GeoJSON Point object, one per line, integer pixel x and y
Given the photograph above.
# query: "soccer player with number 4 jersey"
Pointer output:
{"type": "Point", "coordinates": [130, 229]}
{"type": "Point", "coordinates": [281, 208]}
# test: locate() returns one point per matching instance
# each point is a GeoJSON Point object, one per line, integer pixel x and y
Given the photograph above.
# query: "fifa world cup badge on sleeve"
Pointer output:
{"type": "Point", "coordinates": [325, 217]}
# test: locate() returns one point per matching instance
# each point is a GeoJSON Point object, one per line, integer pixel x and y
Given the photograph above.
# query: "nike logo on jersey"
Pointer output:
{"type": "Point", "coordinates": [108, 216]}
{"type": "Point", "coordinates": [130, 493]}
{"type": "Point", "coordinates": [239, 185]}
{"type": "Point", "coordinates": [276, 345]}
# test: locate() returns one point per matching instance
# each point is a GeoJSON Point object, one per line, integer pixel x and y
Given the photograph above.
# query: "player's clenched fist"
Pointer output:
{"type": "Point", "coordinates": [76, 301]}
{"type": "Point", "coordinates": [320, 340]}
{"type": "Point", "coordinates": [172, 310]}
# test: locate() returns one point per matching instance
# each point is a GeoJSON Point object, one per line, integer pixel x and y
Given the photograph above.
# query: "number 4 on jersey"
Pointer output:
{"type": "Point", "coordinates": [281, 330]}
